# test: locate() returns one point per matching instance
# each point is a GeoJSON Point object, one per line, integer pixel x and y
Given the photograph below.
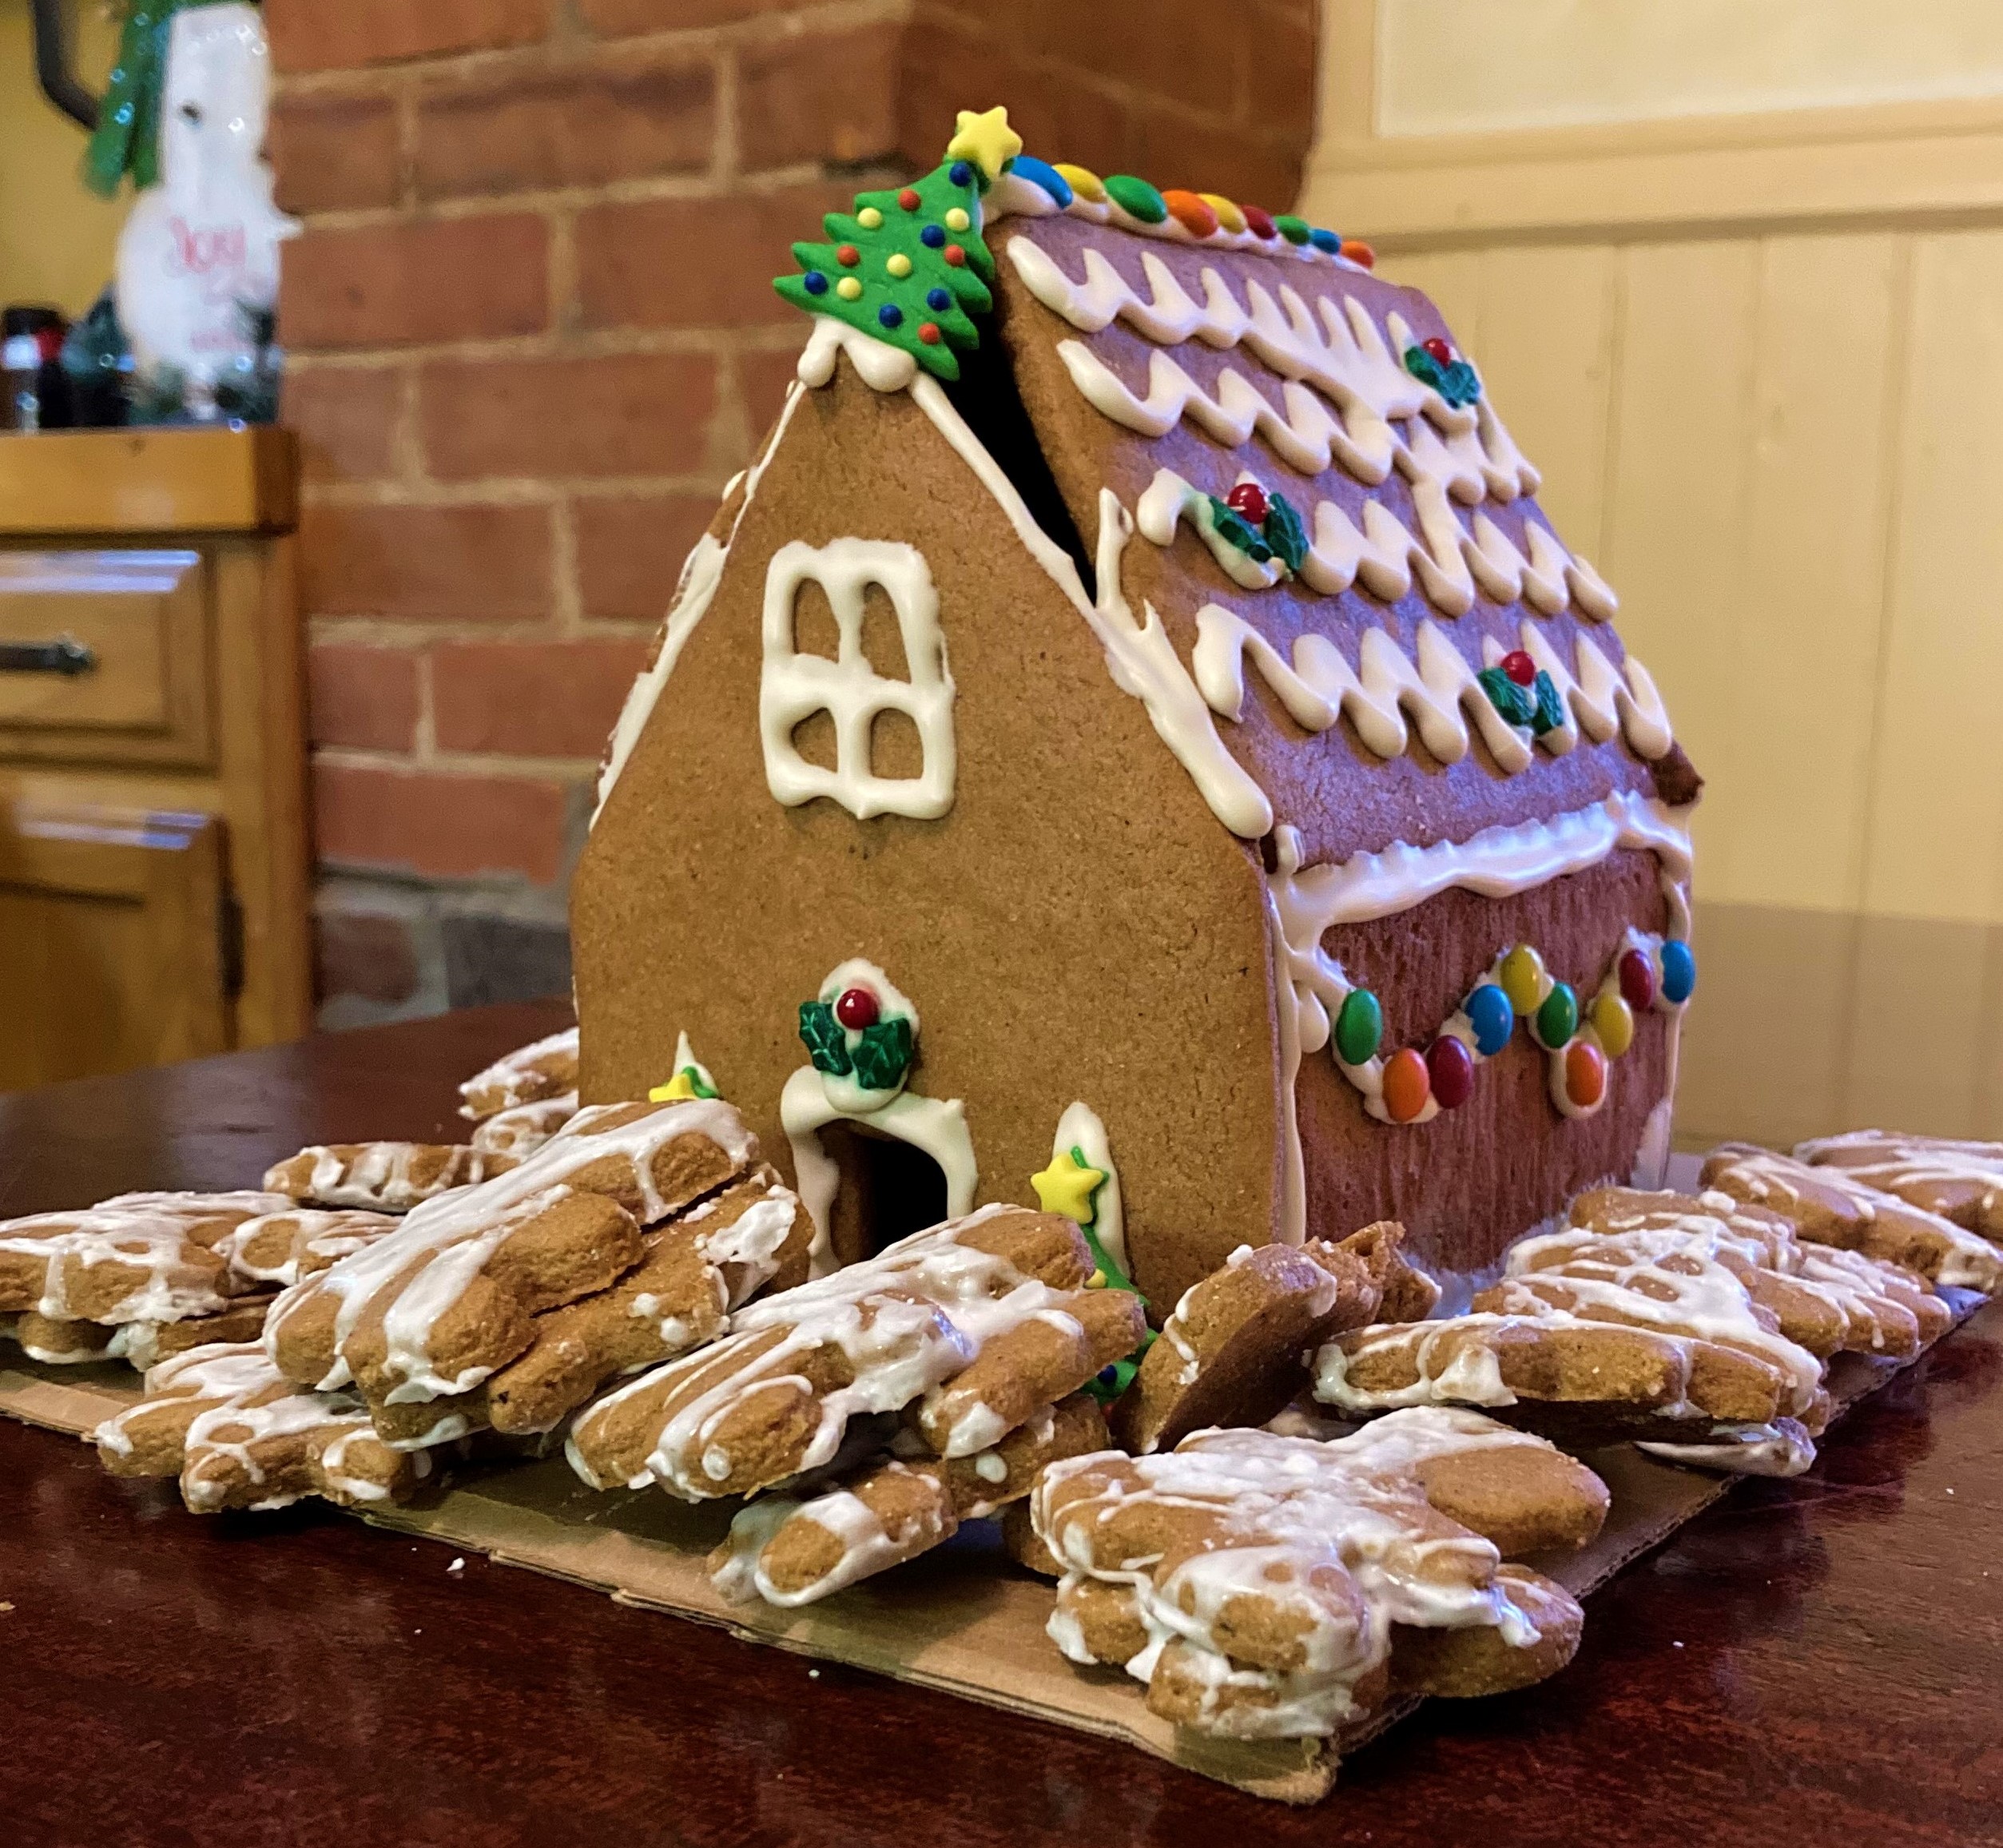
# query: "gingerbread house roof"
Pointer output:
{"type": "Point", "coordinates": [1293, 519]}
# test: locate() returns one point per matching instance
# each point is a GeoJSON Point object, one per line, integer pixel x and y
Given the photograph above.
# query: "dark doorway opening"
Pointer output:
{"type": "Point", "coordinates": [888, 1189]}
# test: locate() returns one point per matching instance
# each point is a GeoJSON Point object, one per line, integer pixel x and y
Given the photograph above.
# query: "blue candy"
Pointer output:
{"type": "Point", "coordinates": [1038, 173]}
{"type": "Point", "coordinates": [1326, 241]}
{"type": "Point", "coordinates": [932, 236]}
{"type": "Point", "coordinates": [890, 315]}
{"type": "Point", "coordinates": [1679, 972]}
{"type": "Point", "coordinates": [938, 301]}
{"type": "Point", "coordinates": [814, 282]}
{"type": "Point", "coordinates": [1492, 1017]}
{"type": "Point", "coordinates": [960, 173]}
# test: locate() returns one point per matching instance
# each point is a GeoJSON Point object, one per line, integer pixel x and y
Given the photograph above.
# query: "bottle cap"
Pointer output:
{"type": "Point", "coordinates": [21, 353]}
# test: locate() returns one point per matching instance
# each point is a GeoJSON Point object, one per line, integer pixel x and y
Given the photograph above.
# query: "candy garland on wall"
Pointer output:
{"type": "Point", "coordinates": [1649, 973]}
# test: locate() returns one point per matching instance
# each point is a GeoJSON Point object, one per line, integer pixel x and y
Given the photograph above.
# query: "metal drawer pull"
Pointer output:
{"type": "Point", "coordinates": [65, 655]}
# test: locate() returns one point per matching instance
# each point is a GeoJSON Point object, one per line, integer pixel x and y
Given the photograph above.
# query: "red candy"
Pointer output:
{"type": "Point", "coordinates": [954, 255]}
{"type": "Point", "coordinates": [1439, 349]}
{"type": "Point", "coordinates": [909, 199]}
{"type": "Point", "coordinates": [1260, 224]}
{"type": "Point", "coordinates": [928, 332]}
{"type": "Point", "coordinates": [856, 1008]}
{"type": "Point", "coordinates": [1450, 1065]}
{"type": "Point", "coordinates": [1637, 981]}
{"type": "Point", "coordinates": [847, 256]}
{"type": "Point", "coordinates": [1248, 501]}
{"type": "Point", "coordinates": [1519, 668]}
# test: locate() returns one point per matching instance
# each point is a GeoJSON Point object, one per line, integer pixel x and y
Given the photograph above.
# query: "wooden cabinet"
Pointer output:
{"type": "Point", "coordinates": [153, 857]}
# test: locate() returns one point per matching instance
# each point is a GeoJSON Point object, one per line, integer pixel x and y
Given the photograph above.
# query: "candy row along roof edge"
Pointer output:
{"type": "Point", "coordinates": [1029, 188]}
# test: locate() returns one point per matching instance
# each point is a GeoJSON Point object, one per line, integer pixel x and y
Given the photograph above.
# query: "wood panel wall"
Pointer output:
{"type": "Point", "coordinates": [1760, 361]}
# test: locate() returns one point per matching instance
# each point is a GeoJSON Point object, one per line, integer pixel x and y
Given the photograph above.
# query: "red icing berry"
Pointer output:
{"type": "Point", "coordinates": [1439, 349]}
{"type": "Point", "coordinates": [1519, 668]}
{"type": "Point", "coordinates": [928, 332]}
{"type": "Point", "coordinates": [1259, 223]}
{"type": "Point", "coordinates": [1248, 500]}
{"type": "Point", "coordinates": [1450, 1065]}
{"type": "Point", "coordinates": [954, 255]}
{"type": "Point", "coordinates": [909, 199]}
{"type": "Point", "coordinates": [1637, 981]}
{"type": "Point", "coordinates": [856, 1008]}
{"type": "Point", "coordinates": [847, 256]}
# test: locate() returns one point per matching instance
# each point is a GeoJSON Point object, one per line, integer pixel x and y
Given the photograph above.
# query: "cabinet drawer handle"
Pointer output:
{"type": "Point", "coordinates": [65, 655]}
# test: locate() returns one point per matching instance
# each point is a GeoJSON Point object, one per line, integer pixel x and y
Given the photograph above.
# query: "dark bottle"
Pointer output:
{"type": "Point", "coordinates": [36, 392]}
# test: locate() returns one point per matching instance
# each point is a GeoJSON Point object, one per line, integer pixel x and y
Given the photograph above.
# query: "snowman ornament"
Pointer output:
{"type": "Point", "coordinates": [198, 258]}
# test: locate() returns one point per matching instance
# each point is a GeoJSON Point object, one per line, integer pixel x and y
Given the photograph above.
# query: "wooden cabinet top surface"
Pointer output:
{"type": "Point", "coordinates": [220, 479]}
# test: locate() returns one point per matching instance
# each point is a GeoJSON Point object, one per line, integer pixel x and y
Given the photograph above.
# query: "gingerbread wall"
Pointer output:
{"type": "Point", "coordinates": [532, 333]}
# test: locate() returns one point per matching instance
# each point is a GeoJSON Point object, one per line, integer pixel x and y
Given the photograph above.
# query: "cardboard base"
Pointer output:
{"type": "Point", "coordinates": [961, 1619]}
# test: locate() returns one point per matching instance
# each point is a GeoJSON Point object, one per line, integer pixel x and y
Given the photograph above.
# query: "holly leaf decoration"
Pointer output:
{"type": "Point", "coordinates": [1284, 533]}
{"type": "Point", "coordinates": [827, 1042]}
{"type": "Point", "coordinates": [884, 1055]}
{"type": "Point", "coordinates": [1457, 382]}
{"type": "Point", "coordinates": [1517, 704]}
{"type": "Point", "coordinates": [1549, 710]}
{"type": "Point", "coordinates": [1234, 526]}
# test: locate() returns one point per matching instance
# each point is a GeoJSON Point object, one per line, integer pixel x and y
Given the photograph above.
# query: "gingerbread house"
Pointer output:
{"type": "Point", "coordinates": [1132, 737]}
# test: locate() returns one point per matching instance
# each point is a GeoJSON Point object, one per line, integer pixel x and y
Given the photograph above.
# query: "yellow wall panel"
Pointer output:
{"type": "Point", "coordinates": [1935, 846]}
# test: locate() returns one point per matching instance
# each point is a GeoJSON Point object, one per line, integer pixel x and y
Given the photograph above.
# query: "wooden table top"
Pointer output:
{"type": "Point", "coordinates": [1815, 1661]}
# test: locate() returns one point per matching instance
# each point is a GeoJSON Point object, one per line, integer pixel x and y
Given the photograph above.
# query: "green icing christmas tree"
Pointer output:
{"type": "Point", "coordinates": [908, 267]}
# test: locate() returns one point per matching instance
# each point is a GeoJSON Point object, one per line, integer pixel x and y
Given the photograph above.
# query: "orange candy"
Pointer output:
{"type": "Point", "coordinates": [1359, 252]}
{"type": "Point", "coordinates": [1192, 214]}
{"type": "Point", "coordinates": [1407, 1085]}
{"type": "Point", "coordinates": [1585, 1073]}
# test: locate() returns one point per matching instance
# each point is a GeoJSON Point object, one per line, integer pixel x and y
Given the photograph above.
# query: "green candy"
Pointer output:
{"type": "Point", "coordinates": [1136, 198]}
{"type": "Point", "coordinates": [1558, 1019]}
{"type": "Point", "coordinates": [1359, 1028]}
{"type": "Point", "coordinates": [1295, 230]}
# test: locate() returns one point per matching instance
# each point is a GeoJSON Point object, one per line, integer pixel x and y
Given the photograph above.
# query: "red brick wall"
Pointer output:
{"type": "Point", "coordinates": [532, 331]}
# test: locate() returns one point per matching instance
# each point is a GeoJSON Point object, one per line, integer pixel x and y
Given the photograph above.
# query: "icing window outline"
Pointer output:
{"type": "Point", "coordinates": [793, 686]}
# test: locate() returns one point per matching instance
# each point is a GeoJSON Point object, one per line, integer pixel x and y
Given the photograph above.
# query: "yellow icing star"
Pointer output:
{"type": "Point", "coordinates": [680, 1086]}
{"type": "Point", "coordinates": [1067, 1186]}
{"type": "Point", "coordinates": [986, 140]}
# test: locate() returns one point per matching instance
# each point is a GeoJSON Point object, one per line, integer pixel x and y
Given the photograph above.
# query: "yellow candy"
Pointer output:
{"type": "Point", "coordinates": [956, 220]}
{"type": "Point", "coordinates": [869, 218]}
{"type": "Point", "coordinates": [1228, 215]}
{"type": "Point", "coordinates": [1522, 979]}
{"type": "Point", "coordinates": [1614, 1021]}
{"type": "Point", "coordinates": [898, 264]}
{"type": "Point", "coordinates": [847, 288]}
{"type": "Point", "coordinates": [1084, 181]}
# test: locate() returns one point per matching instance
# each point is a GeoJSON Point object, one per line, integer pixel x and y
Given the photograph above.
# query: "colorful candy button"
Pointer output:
{"type": "Point", "coordinates": [1325, 240]}
{"type": "Point", "coordinates": [932, 236]}
{"type": "Point", "coordinates": [1679, 972]}
{"type": "Point", "coordinates": [1248, 500]}
{"type": "Point", "coordinates": [1450, 1069]}
{"type": "Point", "coordinates": [1295, 230]}
{"type": "Point", "coordinates": [1407, 1085]}
{"type": "Point", "coordinates": [939, 300]}
{"type": "Point", "coordinates": [909, 199]}
{"type": "Point", "coordinates": [954, 255]}
{"type": "Point", "coordinates": [928, 332]}
{"type": "Point", "coordinates": [1136, 198]}
{"type": "Point", "coordinates": [1637, 980]}
{"type": "Point", "coordinates": [1558, 1017]}
{"type": "Point", "coordinates": [1190, 211]}
{"type": "Point", "coordinates": [960, 173]}
{"type": "Point", "coordinates": [1082, 181]}
{"type": "Point", "coordinates": [1038, 173]}
{"type": "Point", "coordinates": [1260, 224]}
{"type": "Point", "coordinates": [869, 218]}
{"type": "Point", "coordinates": [1585, 1074]}
{"type": "Point", "coordinates": [956, 220]}
{"type": "Point", "coordinates": [814, 282]}
{"type": "Point", "coordinates": [1228, 215]}
{"type": "Point", "coordinates": [1493, 1017]}
{"type": "Point", "coordinates": [1520, 667]}
{"type": "Point", "coordinates": [898, 264]}
{"type": "Point", "coordinates": [1522, 979]}
{"type": "Point", "coordinates": [1359, 253]}
{"type": "Point", "coordinates": [1359, 1028]}
{"type": "Point", "coordinates": [848, 256]}
{"type": "Point", "coordinates": [890, 315]}
{"type": "Point", "coordinates": [1614, 1021]}
{"type": "Point", "coordinates": [849, 289]}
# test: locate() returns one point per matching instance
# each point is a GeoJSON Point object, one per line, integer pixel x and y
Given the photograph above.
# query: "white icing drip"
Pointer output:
{"type": "Point", "coordinates": [1080, 1128]}
{"type": "Point", "coordinates": [1336, 1535]}
{"type": "Point", "coordinates": [937, 1126]}
{"type": "Point", "coordinates": [1470, 1374]}
{"type": "Point", "coordinates": [1781, 1449]}
{"type": "Point", "coordinates": [515, 1073]}
{"type": "Point", "coordinates": [906, 1320]}
{"type": "Point", "coordinates": [1169, 499]}
{"type": "Point", "coordinates": [1894, 1163]}
{"type": "Point", "coordinates": [522, 1129]}
{"type": "Point", "coordinates": [792, 687]}
{"type": "Point", "coordinates": [448, 1240]}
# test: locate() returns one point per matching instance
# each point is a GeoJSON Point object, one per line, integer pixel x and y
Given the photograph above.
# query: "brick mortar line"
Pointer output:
{"type": "Point", "coordinates": [695, 186]}
{"type": "Point", "coordinates": [458, 763]}
{"type": "Point", "coordinates": [408, 635]}
{"type": "Point", "coordinates": [807, 20]}
{"type": "Point", "coordinates": [513, 490]}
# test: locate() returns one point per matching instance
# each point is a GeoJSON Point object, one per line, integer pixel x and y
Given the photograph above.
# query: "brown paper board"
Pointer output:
{"type": "Point", "coordinates": [960, 1619]}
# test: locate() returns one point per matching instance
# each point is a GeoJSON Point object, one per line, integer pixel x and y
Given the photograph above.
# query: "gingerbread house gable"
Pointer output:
{"type": "Point", "coordinates": [1334, 698]}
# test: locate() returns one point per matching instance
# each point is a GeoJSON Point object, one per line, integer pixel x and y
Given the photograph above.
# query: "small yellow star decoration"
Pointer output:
{"type": "Point", "coordinates": [680, 1086]}
{"type": "Point", "coordinates": [986, 140]}
{"type": "Point", "coordinates": [1067, 1186]}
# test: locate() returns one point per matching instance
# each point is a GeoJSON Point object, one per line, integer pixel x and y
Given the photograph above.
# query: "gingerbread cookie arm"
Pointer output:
{"type": "Point", "coordinates": [381, 1177]}
{"type": "Point", "coordinates": [521, 1131]}
{"type": "Point", "coordinates": [281, 1248]}
{"type": "Point", "coordinates": [1465, 1664]}
{"type": "Point", "coordinates": [544, 1068]}
{"type": "Point", "coordinates": [146, 1343]}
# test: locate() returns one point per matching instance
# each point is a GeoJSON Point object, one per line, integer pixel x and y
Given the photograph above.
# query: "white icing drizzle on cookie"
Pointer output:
{"type": "Point", "coordinates": [447, 1241]}
{"type": "Point", "coordinates": [906, 1320]}
{"type": "Point", "coordinates": [1892, 1163]}
{"type": "Point", "coordinates": [1292, 1513]}
{"type": "Point", "coordinates": [519, 1075]}
{"type": "Point", "coordinates": [1781, 1449]}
